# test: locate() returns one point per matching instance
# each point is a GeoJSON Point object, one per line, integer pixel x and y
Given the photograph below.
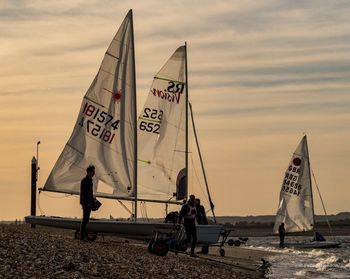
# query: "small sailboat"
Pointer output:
{"type": "Point", "coordinates": [136, 160]}
{"type": "Point", "coordinates": [296, 204]}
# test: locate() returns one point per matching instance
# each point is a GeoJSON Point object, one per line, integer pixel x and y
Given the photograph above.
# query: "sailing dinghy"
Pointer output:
{"type": "Point", "coordinates": [108, 135]}
{"type": "Point", "coordinates": [296, 205]}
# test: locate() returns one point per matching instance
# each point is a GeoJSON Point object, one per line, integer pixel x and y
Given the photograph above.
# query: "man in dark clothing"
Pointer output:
{"type": "Point", "coordinates": [188, 213]}
{"type": "Point", "coordinates": [201, 214]}
{"type": "Point", "coordinates": [201, 220]}
{"type": "Point", "coordinates": [86, 199]}
{"type": "Point", "coordinates": [281, 233]}
{"type": "Point", "coordinates": [318, 237]}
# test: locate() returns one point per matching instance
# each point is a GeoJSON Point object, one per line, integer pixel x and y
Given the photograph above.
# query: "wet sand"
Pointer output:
{"type": "Point", "coordinates": [53, 253]}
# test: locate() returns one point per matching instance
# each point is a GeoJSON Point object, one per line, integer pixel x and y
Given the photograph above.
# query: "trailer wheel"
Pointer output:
{"type": "Point", "coordinates": [160, 247]}
{"type": "Point", "coordinates": [237, 243]}
{"type": "Point", "coordinates": [150, 246]}
{"type": "Point", "coordinates": [230, 242]}
{"type": "Point", "coordinates": [222, 252]}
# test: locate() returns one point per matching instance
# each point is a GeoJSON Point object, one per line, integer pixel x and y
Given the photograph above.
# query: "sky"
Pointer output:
{"type": "Point", "coordinates": [261, 74]}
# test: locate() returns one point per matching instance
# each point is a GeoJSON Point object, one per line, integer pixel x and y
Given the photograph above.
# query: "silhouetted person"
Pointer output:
{"type": "Point", "coordinates": [188, 213]}
{"type": "Point", "coordinates": [318, 237]}
{"type": "Point", "coordinates": [86, 199]}
{"type": "Point", "coordinates": [281, 233]}
{"type": "Point", "coordinates": [202, 220]}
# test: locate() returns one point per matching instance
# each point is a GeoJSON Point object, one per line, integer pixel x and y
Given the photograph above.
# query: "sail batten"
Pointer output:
{"type": "Point", "coordinates": [167, 79]}
{"type": "Point", "coordinates": [295, 208]}
{"type": "Point", "coordinates": [104, 133]}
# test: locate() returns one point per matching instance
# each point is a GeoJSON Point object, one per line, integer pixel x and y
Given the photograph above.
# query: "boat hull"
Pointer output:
{"type": "Point", "coordinates": [206, 234]}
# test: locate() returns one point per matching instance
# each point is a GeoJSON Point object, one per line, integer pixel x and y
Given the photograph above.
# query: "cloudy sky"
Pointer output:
{"type": "Point", "coordinates": [261, 73]}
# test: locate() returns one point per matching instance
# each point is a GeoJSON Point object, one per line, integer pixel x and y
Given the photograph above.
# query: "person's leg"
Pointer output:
{"type": "Point", "coordinates": [194, 237]}
{"type": "Point", "coordinates": [188, 234]}
{"type": "Point", "coordinates": [205, 249]}
{"type": "Point", "coordinates": [84, 222]}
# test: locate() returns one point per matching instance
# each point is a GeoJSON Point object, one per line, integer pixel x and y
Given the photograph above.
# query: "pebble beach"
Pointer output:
{"type": "Point", "coordinates": [53, 253]}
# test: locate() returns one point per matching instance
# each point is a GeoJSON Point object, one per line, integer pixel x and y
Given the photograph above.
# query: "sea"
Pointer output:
{"type": "Point", "coordinates": [305, 263]}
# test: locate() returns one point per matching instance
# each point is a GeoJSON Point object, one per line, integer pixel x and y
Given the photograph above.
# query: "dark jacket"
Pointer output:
{"type": "Point", "coordinates": [185, 210]}
{"type": "Point", "coordinates": [86, 191]}
{"type": "Point", "coordinates": [281, 231]}
{"type": "Point", "coordinates": [201, 215]}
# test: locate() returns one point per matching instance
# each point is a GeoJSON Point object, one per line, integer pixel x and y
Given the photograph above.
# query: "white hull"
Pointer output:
{"type": "Point", "coordinates": [310, 245]}
{"type": "Point", "coordinates": [206, 234]}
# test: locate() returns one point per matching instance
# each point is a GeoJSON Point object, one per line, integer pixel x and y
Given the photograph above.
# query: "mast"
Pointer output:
{"type": "Point", "coordinates": [201, 160]}
{"type": "Point", "coordinates": [312, 196]}
{"type": "Point", "coordinates": [186, 129]}
{"type": "Point", "coordinates": [135, 117]}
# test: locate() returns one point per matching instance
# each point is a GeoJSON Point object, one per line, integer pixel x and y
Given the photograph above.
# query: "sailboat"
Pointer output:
{"type": "Point", "coordinates": [152, 149]}
{"type": "Point", "coordinates": [296, 204]}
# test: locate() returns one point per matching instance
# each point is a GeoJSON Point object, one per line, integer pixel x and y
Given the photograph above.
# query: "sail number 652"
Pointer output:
{"type": "Point", "coordinates": [149, 127]}
{"type": "Point", "coordinates": [153, 114]}
{"type": "Point", "coordinates": [151, 120]}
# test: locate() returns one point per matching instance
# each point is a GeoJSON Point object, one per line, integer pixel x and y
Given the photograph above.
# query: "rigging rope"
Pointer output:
{"type": "Point", "coordinates": [202, 163]}
{"type": "Point", "coordinates": [200, 185]}
{"type": "Point", "coordinates": [144, 211]}
{"type": "Point", "coordinates": [324, 208]}
{"type": "Point", "coordinates": [193, 170]}
{"type": "Point", "coordinates": [53, 197]}
{"type": "Point", "coordinates": [141, 210]}
{"type": "Point", "coordinates": [125, 207]}
{"type": "Point", "coordinates": [41, 211]}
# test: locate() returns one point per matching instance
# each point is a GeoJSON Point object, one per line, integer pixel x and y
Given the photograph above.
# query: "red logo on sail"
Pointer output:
{"type": "Point", "coordinates": [117, 96]}
{"type": "Point", "coordinates": [296, 161]}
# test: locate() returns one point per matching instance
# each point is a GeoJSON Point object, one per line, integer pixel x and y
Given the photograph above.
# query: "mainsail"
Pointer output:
{"type": "Point", "coordinates": [104, 134]}
{"type": "Point", "coordinates": [296, 204]}
{"type": "Point", "coordinates": [162, 134]}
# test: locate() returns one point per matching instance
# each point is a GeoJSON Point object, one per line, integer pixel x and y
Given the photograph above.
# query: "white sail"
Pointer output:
{"type": "Point", "coordinates": [162, 135]}
{"type": "Point", "coordinates": [104, 134]}
{"type": "Point", "coordinates": [296, 204]}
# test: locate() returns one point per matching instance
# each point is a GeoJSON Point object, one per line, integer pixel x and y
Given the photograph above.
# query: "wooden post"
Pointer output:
{"type": "Point", "coordinates": [33, 199]}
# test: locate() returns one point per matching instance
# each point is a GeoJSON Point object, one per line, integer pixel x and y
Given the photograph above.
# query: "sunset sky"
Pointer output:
{"type": "Point", "coordinates": [261, 73]}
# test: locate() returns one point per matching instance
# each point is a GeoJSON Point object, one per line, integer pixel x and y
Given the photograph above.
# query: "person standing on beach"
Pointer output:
{"type": "Point", "coordinates": [86, 199]}
{"type": "Point", "coordinates": [281, 233]}
{"type": "Point", "coordinates": [188, 214]}
{"type": "Point", "coordinates": [202, 220]}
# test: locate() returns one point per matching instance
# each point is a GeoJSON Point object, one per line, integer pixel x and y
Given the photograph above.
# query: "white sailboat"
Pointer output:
{"type": "Point", "coordinates": [162, 133]}
{"type": "Point", "coordinates": [152, 150]}
{"type": "Point", "coordinates": [296, 205]}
